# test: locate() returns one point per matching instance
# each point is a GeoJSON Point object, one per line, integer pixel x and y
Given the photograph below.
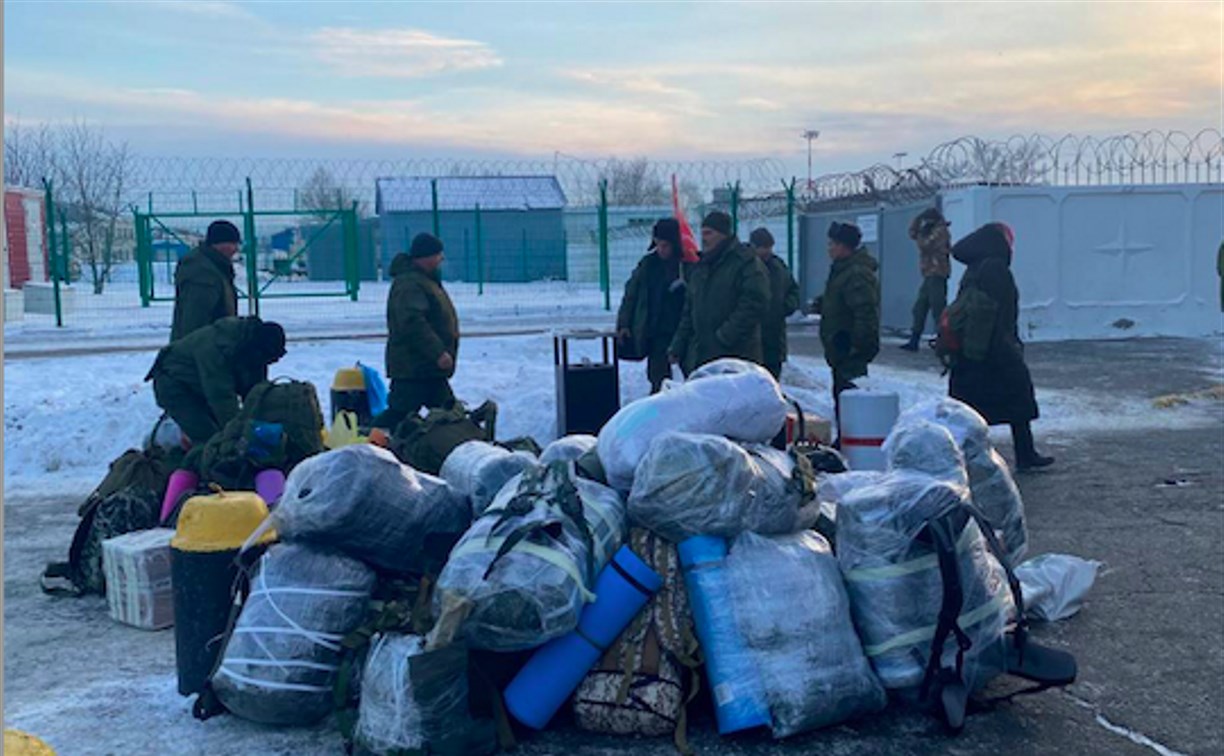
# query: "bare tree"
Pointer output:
{"type": "Point", "coordinates": [29, 154]}
{"type": "Point", "coordinates": [322, 196]}
{"type": "Point", "coordinates": [632, 182]}
{"type": "Point", "coordinates": [91, 172]}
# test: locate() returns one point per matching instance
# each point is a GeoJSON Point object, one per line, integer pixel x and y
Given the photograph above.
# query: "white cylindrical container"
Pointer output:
{"type": "Point", "coordinates": [867, 417]}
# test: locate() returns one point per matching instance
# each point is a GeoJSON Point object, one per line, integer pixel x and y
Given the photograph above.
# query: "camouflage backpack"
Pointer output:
{"type": "Point", "coordinates": [128, 499]}
{"type": "Point", "coordinates": [645, 680]}
{"type": "Point", "coordinates": [279, 426]}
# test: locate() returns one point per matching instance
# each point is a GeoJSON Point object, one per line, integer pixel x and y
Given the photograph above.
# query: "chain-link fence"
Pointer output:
{"type": "Point", "coordinates": [528, 243]}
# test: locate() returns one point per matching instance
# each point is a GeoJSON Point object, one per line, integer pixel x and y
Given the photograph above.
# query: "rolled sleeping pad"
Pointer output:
{"type": "Point", "coordinates": [867, 417]}
{"type": "Point", "coordinates": [554, 672]}
{"type": "Point", "coordinates": [739, 696]}
{"type": "Point", "coordinates": [204, 563]}
{"type": "Point", "coordinates": [181, 481]}
{"type": "Point", "coordinates": [270, 484]}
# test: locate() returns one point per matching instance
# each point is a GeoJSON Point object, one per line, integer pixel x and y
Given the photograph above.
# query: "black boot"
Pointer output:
{"type": "Point", "coordinates": [1027, 457]}
{"type": "Point", "coordinates": [912, 344]}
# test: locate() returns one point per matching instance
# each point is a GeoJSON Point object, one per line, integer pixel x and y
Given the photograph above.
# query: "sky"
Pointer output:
{"type": "Point", "coordinates": [666, 80]}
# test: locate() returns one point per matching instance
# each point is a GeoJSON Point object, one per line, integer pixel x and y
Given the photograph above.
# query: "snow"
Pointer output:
{"type": "Point", "coordinates": [66, 418]}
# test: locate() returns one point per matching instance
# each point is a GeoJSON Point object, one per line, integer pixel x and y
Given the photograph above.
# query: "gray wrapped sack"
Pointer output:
{"type": "Point", "coordinates": [280, 662]}
{"type": "Point", "coordinates": [894, 583]}
{"type": "Point", "coordinates": [527, 565]}
{"type": "Point", "coordinates": [478, 470]}
{"type": "Point", "coordinates": [695, 484]}
{"type": "Point", "coordinates": [794, 617]}
{"type": "Point", "coordinates": [727, 397]}
{"type": "Point", "coordinates": [568, 448]}
{"type": "Point", "coordinates": [413, 700]}
{"type": "Point", "coordinates": [363, 501]}
{"type": "Point", "coordinates": [990, 480]}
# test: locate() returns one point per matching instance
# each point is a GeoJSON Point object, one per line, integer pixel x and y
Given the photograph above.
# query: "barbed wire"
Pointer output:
{"type": "Point", "coordinates": [1149, 157]}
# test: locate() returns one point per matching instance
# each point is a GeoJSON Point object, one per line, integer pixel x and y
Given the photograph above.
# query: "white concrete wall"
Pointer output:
{"type": "Point", "coordinates": [1106, 262]}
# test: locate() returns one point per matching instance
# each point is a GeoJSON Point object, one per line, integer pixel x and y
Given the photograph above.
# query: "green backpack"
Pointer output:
{"type": "Point", "coordinates": [424, 443]}
{"type": "Point", "coordinates": [128, 499]}
{"type": "Point", "coordinates": [240, 449]}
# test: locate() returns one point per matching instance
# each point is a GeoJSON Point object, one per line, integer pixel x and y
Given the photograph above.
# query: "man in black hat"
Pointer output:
{"type": "Point", "coordinates": [728, 293]}
{"type": "Point", "coordinates": [423, 334]}
{"type": "Point", "coordinates": [849, 309]}
{"type": "Point", "coordinates": [653, 302]}
{"type": "Point", "coordinates": [199, 379]}
{"type": "Point", "coordinates": [204, 281]}
{"type": "Point", "coordinates": [783, 300]}
{"type": "Point", "coordinates": [929, 230]}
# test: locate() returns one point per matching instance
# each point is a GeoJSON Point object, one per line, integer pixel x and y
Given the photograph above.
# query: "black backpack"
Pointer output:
{"type": "Point", "coordinates": [128, 499]}
{"type": "Point", "coordinates": [425, 443]}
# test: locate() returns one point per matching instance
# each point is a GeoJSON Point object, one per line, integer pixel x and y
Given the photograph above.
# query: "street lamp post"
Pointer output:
{"type": "Point", "coordinates": [811, 136]}
{"type": "Point", "coordinates": [899, 156]}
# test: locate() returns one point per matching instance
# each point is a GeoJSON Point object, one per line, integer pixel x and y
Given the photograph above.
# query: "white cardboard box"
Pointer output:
{"type": "Point", "coordinates": [138, 586]}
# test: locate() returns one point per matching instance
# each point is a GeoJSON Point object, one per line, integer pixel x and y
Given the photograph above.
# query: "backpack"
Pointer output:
{"type": "Point", "coordinates": [425, 443]}
{"type": "Point", "coordinates": [127, 499]}
{"type": "Point", "coordinates": [280, 425]}
{"type": "Point", "coordinates": [966, 327]}
{"type": "Point", "coordinates": [646, 679]}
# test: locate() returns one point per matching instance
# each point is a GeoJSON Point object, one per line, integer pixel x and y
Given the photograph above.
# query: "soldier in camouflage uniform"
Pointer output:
{"type": "Point", "coordinates": [783, 300]}
{"type": "Point", "coordinates": [204, 281]}
{"type": "Point", "coordinates": [423, 334]}
{"type": "Point", "coordinates": [930, 230]}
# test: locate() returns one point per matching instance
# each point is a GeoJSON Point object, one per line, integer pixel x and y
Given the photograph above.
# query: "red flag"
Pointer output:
{"type": "Point", "coordinates": [687, 240]}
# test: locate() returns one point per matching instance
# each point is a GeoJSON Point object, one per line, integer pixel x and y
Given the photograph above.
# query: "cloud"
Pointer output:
{"type": "Point", "coordinates": [398, 53]}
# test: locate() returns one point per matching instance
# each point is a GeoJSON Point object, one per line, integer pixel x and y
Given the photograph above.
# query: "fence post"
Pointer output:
{"type": "Point", "coordinates": [52, 251]}
{"type": "Point", "coordinates": [523, 256]}
{"type": "Point", "coordinates": [352, 257]}
{"type": "Point", "coordinates": [248, 223]}
{"type": "Point", "coordinates": [735, 192]}
{"type": "Point", "coordinates": [437, 217]}
{"type": "Point", "coordinates": [480, 273]}
{"type": "Point", "coordinates": [65, 267]}
{"type": "Point", "coordinates": [790, 225]}
{"type": "Point", "coordinates": [605, 273]}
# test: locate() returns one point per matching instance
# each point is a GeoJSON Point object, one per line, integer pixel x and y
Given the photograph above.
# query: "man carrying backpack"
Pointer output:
{"type": "Point", "coordinates": [199, 379]}
{"type": "Point", "coordinates": [423, 334]}
{"type": "Point", "coordinates": [204, 281]}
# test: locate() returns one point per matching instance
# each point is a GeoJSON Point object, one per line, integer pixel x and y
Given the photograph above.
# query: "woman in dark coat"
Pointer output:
{"type": "Point", "coordinates": [654, 299]}
{"type": "Point", "coordinates": [999, 386]}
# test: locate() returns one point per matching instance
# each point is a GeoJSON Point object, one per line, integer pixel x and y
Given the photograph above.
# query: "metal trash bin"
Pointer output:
{"type": "Point", "coordinates": [588, 393]}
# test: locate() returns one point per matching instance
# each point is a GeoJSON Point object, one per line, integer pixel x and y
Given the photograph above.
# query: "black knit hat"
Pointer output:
{"type": "Point", "coordinates": [847, 234]}
{"type": "Point", "coordinates": [718, 221]}
{"type": "Point", "coordinates": [668, 230]}
{"type": "Point", "coordinates": [425, 245]}
{"type": "Point", "coordinates": [270, 342]}
{"type": "Point", "coordinates": [221, 232]}
{"type": "Point", "coordinates": [761, 238]}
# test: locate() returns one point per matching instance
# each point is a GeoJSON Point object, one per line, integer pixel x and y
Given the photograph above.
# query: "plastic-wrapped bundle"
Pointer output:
{"type": "Point", "coordinates": [363, 501]}
{"type": "Point", "coordinates": [728, 398]}
{"type": "Point", "coordinates": [830, 491]}
{"type": "Point", "coordinates": [924, 447]}
{"type": "Point", "coordinates": [478, 470]}
{"type": "Point", "coordinates": [281, 659]}
{"type": "Point", "coordinates": [527, 565]}
{"type": "Point", "coordinates": [806, 652]}
{"type": "Point", "coordinates": [894, 582]}
{"type": "Point", "coordinates": [568, 448]}
{"type": "Point", "coordinates": [990, 480]}
{"type": "Point", "coordinates": [412, 700]}
{"type": "Point", "coordinates": [692, 484]}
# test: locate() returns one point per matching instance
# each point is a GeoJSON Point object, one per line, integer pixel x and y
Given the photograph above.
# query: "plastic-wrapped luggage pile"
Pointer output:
{"type": "Point", "coordinates": [613, 573]}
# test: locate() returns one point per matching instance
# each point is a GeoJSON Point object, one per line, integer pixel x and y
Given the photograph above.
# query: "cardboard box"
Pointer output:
{"type": "Point", "coordinates": [138, 586]}
{"type": "Point", "coordinates": [815, 428]}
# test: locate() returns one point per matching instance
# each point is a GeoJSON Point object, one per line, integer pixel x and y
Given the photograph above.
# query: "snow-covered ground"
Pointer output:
{"type": "Point", "coordinates": [66, 418]}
